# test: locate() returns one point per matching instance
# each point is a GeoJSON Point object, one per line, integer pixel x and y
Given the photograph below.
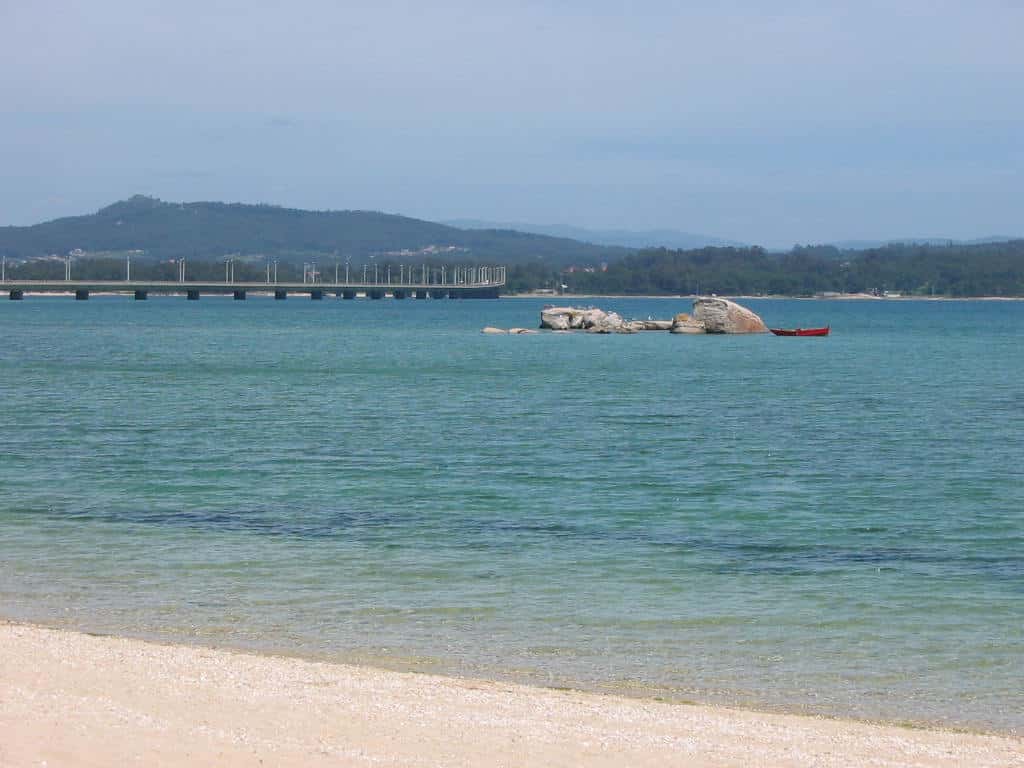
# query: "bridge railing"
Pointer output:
{"type": "Point", "coordinates": [453, 277]}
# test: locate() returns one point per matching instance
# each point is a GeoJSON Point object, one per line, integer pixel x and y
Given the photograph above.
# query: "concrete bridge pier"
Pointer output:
{"type": "Point", "coordinates": [17, 294]}
{"type": "Point", "coordinates": [437, 293]}
{"type": "Point", "coordinates": [192, 295]}
{"type": "Point", "coordinates": [454, 295]}
{"type": "Point", "coordinates": [316, 295]}
{"type": "Point", "coordinates": [280, 295]}
{"type": "Point", "coordinates": [398, 294]}
{"type": "Point", "coordinates": [375, 293]}
{"type": "Point", "coordinates": [81, 294]}
{"type": "Point", "coordinates": [420, 294]}
{"type": "Point", "coordinates": [348, 293]}
{"type": "Point", "coordinates": [141, 295]}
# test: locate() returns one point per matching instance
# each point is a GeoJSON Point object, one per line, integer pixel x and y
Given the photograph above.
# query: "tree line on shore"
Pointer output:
{"type": "Point", "coordinates": [990, 269]}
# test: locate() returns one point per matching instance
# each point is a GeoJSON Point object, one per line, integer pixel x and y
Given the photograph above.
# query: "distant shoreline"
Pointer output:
{"type": "Point", "coordinates": [843, 297]}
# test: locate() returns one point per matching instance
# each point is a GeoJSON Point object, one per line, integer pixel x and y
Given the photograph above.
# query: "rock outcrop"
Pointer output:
{"type": "Point", "coordinates": [710, 315]}
{"type": "Point", "coordinates": [724, 316]}
{"type": "Point", "coordinates": [592, 320]}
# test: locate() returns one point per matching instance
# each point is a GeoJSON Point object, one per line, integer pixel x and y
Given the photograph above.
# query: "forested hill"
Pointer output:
{"type": "Point", "coordinates": [989, 269]}
{"type": "Point", "coordinates": [210, 230]}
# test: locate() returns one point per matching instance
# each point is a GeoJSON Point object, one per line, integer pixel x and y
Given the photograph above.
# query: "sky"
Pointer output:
{"type": "Point", "coordinates": [768, 122]}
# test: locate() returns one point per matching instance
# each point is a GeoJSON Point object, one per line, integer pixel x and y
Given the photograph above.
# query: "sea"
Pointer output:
{"type": "Point", "coordinates": [813, 525]}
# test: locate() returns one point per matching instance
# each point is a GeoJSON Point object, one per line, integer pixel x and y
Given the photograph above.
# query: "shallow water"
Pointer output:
{"type": "Point", "coordinates": [826, 525]}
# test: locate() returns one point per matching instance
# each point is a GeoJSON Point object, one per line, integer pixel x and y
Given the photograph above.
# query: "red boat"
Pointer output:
{"type": "Point", "coordinates": [800, 331]}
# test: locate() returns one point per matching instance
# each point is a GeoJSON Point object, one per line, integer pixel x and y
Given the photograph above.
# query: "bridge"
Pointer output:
{"type": "Point", "coordinates": [466, 283]}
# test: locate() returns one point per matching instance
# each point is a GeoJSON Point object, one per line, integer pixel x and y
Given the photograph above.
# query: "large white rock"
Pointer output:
{"type": "Point", "coordinates": [565, 318]}
{"type": "Point", "coordinates": [724, 316]}
{"type": "Point", "coordinates": [595, 321]}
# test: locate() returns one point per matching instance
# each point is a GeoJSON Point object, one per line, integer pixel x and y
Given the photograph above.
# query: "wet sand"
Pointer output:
{"type": "Point", "coordinates": [70, 699]}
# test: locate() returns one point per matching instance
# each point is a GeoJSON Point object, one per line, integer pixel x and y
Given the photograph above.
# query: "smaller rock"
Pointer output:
{"type": "Point", "coordinates": [520, 331]}
{"type": "Point", "coordinates": [611, 322]}
{"type": "Point", "coordinates": [689, 325]}
{"type": "Point", "coordinates": [655, 325]}
{"type": "Point", "coordinates": [555, 319]}
{"type": "Point", "coordinates": [490, 329]}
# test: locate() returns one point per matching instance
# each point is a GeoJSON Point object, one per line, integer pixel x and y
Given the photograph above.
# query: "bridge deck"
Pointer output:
{"type": "Point", "coordinates": [213, 287]}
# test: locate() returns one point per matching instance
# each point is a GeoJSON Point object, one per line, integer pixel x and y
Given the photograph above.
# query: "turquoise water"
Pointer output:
{"type": "Point", "coordinates": [822, 525]}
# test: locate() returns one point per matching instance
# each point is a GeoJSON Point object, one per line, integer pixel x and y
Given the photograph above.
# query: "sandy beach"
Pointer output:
{"type": "Point", "coordinates": [70, 699]}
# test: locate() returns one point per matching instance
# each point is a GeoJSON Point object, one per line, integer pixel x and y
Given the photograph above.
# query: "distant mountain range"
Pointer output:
{"type": "Point", "coordinates": [625, 238]}
{"type": "Point", "coordinates": [162, 230]}
{"type": "Point", "coordinates": [677, 239]}
{"type": "Point", "coordinates": [209, 230]}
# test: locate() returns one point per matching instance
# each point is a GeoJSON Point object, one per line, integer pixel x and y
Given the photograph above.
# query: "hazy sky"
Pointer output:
{"type": "Point", "coordinates": [770, 122]}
